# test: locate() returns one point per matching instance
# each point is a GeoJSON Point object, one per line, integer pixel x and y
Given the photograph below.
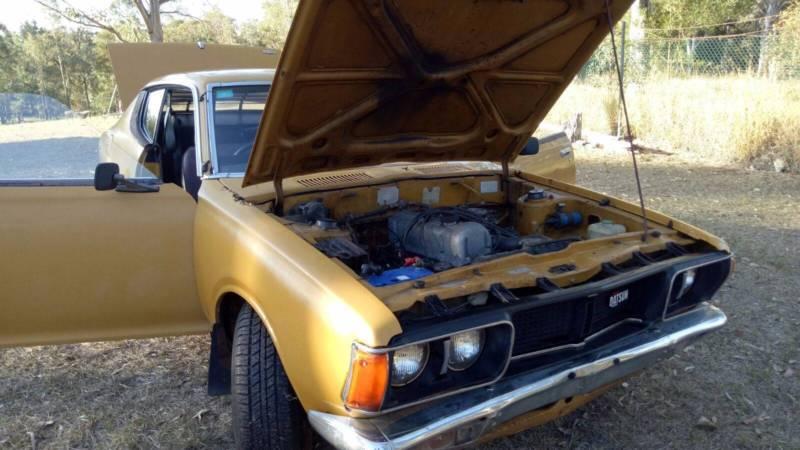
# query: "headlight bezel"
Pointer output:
{"type": "Point", "coordinates": [431, 383]}
{"type": "Point", "coordinates": [707, 278]}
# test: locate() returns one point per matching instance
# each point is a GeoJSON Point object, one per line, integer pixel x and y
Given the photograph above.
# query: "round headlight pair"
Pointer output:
{"type": "Point", "coordinates": [408, 362]}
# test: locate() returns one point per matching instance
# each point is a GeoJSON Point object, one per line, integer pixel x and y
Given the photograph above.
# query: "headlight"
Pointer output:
{"type": "Point", "coordinates": [407, 363]}
{"type": "Point", "coordinates": [686, 282]}
{"type": "Point", "coordinates": [465, 349]}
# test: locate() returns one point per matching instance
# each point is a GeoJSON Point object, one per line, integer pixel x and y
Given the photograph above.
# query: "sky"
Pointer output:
{"type": "Point", "coordinates": [18, 11]}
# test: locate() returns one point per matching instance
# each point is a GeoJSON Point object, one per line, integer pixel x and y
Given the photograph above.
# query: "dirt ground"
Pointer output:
{"type": "Point", "coordinates": [55, 149]}
{"type": "Point", "coordinates": [738, 388]}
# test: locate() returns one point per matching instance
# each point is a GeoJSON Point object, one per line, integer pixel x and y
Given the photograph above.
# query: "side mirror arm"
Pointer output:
{"type": "Point", "coordinates": [126, 185]}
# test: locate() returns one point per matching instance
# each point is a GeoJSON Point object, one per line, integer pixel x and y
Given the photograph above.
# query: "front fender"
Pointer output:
{"type": "Point", "coordinates": [313, 308]}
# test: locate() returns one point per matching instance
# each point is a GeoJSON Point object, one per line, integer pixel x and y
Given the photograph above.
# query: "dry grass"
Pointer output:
{"type": "Point", "coordinates": [721, 119]}
{"type": "Point", "coordinates": [151, 394]}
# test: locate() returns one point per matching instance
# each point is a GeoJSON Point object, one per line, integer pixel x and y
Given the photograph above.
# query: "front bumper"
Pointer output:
{"type": "Point", "coordinates": [462, 419]}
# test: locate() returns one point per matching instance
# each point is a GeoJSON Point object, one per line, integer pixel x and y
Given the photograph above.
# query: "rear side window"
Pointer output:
{"type": "Point", "coordinates": [152, 111]}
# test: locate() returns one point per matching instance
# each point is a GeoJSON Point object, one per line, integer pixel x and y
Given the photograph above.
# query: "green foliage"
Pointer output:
{"type": "Point", "coordinates": [678, 15]}
{"type": "Point", "coordinates": [214, 27]}
{"type": "Point", "coordinates": [71, 64]}
{"type": "Point", "coordinates": [785, 50]}
{"type": "Point", "coordinates": [271, 29]}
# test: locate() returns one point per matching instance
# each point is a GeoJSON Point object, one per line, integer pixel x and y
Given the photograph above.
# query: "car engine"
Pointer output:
{"type": "Point", "coordinates": [406, 241]}
{"type": "Point", "coordinates": [450, 236]}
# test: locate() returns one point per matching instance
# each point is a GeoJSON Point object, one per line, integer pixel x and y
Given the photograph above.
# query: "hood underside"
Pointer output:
{"type": "Point", "coordinates": [367, 82]}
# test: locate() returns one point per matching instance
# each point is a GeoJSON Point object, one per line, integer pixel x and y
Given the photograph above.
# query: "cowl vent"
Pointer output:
{"type": "Point", "coordinates": [441, 168]}
{"type": "Point", "coordinates": [328, 180]}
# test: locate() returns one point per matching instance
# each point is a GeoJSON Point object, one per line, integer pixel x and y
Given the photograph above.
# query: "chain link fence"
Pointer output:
{"type": "Point", "coordinates": [749, 54]}
{"type": "Point", "coordinates": [727, 98]}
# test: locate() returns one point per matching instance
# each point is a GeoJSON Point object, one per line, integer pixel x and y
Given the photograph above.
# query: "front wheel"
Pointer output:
{"type": "Point", "coordinates": [266, 411]}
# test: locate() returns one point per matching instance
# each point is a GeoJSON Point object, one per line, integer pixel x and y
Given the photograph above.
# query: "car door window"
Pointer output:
{"type": "Point", "coordinates": [152, 113]}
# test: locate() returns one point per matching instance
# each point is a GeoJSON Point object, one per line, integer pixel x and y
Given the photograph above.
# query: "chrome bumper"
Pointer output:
{"type": "Point", "coordinates": [462, 419]}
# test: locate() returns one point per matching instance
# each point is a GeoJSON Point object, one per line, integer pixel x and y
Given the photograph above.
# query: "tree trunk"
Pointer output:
{"type": "Point", "coordinates": [763, 53]}
{"type": "Point", "coordinates": [152, 18]}
{"type": "Point", "coordinates": [86, 93]}
{"type": "Point", "coordinates": [64, 79]}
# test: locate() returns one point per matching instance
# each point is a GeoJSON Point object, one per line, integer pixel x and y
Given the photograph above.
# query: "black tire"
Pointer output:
{"type": "Point", "coordinates": [266, 411]}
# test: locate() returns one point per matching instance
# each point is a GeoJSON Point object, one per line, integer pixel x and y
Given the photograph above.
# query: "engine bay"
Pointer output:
{"type": "Point", "coordinates": [396, 235]}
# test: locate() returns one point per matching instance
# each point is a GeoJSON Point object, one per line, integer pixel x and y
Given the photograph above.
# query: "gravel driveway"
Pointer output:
{"type": "Point", "coordinates": [738, 388]}
{"type": "Point", "coordinates": [56, 149]}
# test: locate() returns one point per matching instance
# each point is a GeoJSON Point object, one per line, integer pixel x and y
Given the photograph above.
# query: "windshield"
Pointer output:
{"type": "Point", "coordinates": [235, 117]}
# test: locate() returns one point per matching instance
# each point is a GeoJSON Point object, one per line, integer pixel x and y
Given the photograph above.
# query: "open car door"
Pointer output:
{"type": "Point", "coordinates": [78, 264]}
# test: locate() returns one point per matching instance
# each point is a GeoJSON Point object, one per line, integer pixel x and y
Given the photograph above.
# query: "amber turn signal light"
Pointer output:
{"type": "Point", "coordinates": [369, 378]}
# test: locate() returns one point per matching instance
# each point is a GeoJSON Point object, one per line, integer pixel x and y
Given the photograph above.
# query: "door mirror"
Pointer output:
{"type": "Point", "coordinates": [106, 176]}
{"type": "Point", "coordinates": [531, 148]}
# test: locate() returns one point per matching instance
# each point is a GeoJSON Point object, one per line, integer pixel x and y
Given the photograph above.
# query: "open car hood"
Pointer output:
{"type": "Point", "coordinates": [367, 82]}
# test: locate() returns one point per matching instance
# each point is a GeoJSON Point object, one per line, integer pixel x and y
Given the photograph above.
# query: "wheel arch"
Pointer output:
{"type": "Point", "coordinates": [228, 306]}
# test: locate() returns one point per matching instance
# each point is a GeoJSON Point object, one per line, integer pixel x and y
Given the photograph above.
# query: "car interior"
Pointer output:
{"type": "Point", "coordinates": [168, 116]}
{"type": "Point", "coordinates": [174, 138]}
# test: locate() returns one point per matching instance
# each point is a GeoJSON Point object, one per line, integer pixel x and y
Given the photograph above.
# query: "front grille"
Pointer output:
{"type": "Point", "coordinates": [542, 327]}
{"type": "Point", "coordinates": [572, 320]}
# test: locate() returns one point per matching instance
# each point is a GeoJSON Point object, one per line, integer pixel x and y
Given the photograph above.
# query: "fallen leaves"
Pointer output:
{"type": "Point", "coordinates": [763, 417]}
{"type": "Point", "coordinates": [199, 415]}
{"type": "Point", "coordinates": [704, 423]}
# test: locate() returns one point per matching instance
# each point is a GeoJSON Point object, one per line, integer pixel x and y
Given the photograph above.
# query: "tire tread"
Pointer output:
{"type": "Point", "coordinates": [266, 412]}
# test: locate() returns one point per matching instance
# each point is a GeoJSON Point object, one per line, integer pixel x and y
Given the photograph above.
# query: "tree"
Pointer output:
{"type": "Point", "coordinates": [8, 56]}
{"type": "Point", "coordinates": [784, 54]}
{"type": "Point", "coordinates": [149, 11]}
{"type": "Point", "coordinates": [214, 27]}
{"type": "Point", "coordinates": [272, 29]}
{"type": "Point", "coordinates": [152, 17]}
{"type": "Point", "coordinates": [682, 18]}
{"type": "Point", "coordinates": [767, 11]}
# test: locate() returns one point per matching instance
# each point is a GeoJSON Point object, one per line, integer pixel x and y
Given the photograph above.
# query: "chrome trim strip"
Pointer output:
{"type": "Point", "coordinates": [44, 182]}
{"type": "Point", "coordinates": [364, 348]}
{"type": "Point", "coordinates": [198, 163]}
{"type": "Point", "coordinates": [66, 182]}
{"type": "Point", "coordinates": [519, 394]}
{"type": "Point", "coordinates": [212, 140]}
{"type": "Point", "coordinates": [579, 344]}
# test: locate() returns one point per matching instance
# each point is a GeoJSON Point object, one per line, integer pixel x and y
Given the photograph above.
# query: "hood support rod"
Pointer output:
{"type": "Point", "coordinates": [278, 183]}
{"type": "Point", "coordinates": [628, 135]}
